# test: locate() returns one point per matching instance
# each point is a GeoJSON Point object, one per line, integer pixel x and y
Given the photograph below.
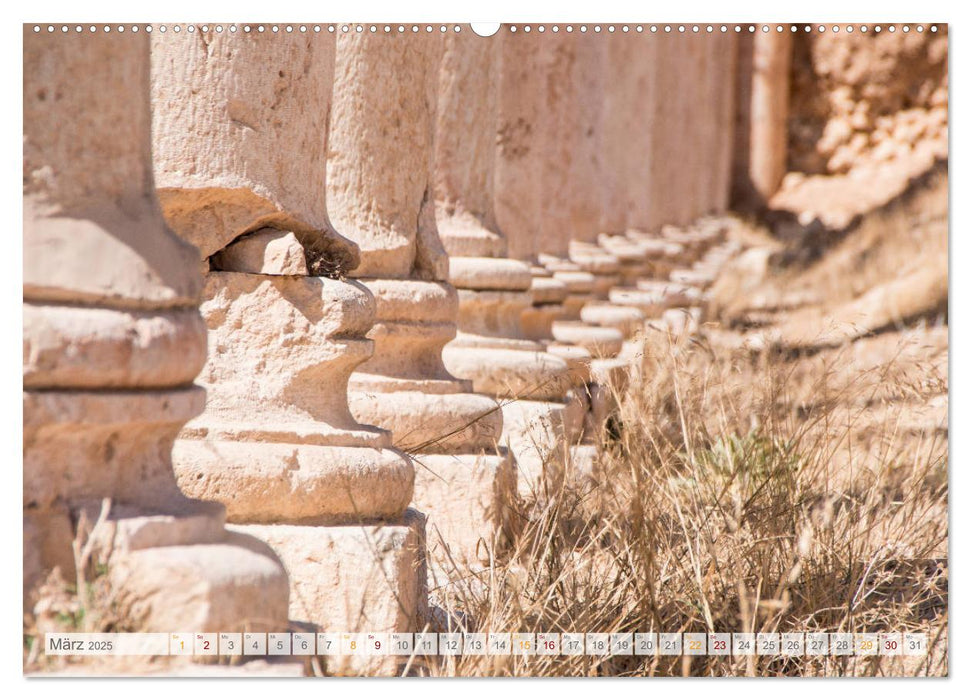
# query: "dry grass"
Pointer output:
{"type": "Point", "coordinates": [727, 502]}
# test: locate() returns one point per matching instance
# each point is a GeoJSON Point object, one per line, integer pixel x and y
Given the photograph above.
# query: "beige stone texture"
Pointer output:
{"type": "Point", "coordinates": [278, 442]}
{"type": "Point", "coordinates": [859, 100]}
{"type": "Point", "coordinates": [653, 297]}
{"type": "Point", "coordinates": [571, 136]}
{"type": "Point", "coordinates": [620, 126]}
{"type": "Point", "coordinates": [112, 342]}
{"type": "Point", "coordinates": [638, 55]}
{"type": "Point", "coordinates": [540, 434]}
{"type": "Point", "coordinates": [384, 191]}
{"type": "Point", "coordinates": [491, 348]}
{"type": "Point", "coordinates": [236, 584]}
{"type": "Point", "coordinates": [355, 577]}
{"type": "Point", "coordinates": [426, 408]}
{"type": "Point", "coordinates": [247, 162]}
{"type": "Point", "coordinates": [93, 348]}
{"type": "Point", "coordinates": [471, 508]}
{"type": "Point", "coordinates": [93, 233]}
{"type": "Point", "coordinates": [764, 105]}
{"type": "Point", "coordinates": [538, 171]}
{"type": "Point", "coordinates": [727, 64]}
{"type": "Point", "coordinates": [598, 340]}
{"type": "Point", "coordinates": [625, 318]}
{"type": "Point", "coordinates": [465, 141]}
{"type": "Point", "coordinates": [545, 289]}
{"type": "Point", "coordinates": [633, 257]}
{"type": "Point", "coordinates": [379, 188]}
{"type": "Point", "coordinates": [671, 117]}
{"type": "Point", "coordinates": [267, 251]}
{"type": "Point", "coordinates": [48, 535]}
{"type": "Point", "coordinates": [120, 442]}
{"type": "Point", "coordinates": [501, 274]}
{"type": "Point", "coordinates": [521, 107]}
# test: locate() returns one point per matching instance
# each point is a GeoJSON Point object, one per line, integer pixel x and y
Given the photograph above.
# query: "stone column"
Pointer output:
{"type": "Point", "coordinates": [380, 194]}
{"type": "Point", "coordinates": [240, 138]}
{"type": "Point", "coordinates": [689, 110]}
{"type": "Point", "coordinates": [518, 197]}
{"type": "Point", "coordinates": [668, 123]}
{"type": "Point", "coordinates": [491, 348]}
{"type": "Point", "coordinates": [627, 144]}
{"type": "Point", "coordinates": [112, 343]}
{"type": "Point", "coordinates": [632, 64]}
{"type": "Point", "coordinates": [652, 194]}
{"type": "Point", "coordinates": [574, 191]}
{"type": "Point", "coordinates": [576, 159]}
{"type": "Point", "coordinates": [765, 102]}
{"type": "Point", "coordinates": [529, 145]}
{"type": "Point", "coordinates": [726, 63]}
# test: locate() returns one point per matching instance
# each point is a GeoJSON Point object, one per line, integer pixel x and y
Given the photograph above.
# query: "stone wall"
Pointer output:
{"type": "Point", "coordinates": [867, 97]}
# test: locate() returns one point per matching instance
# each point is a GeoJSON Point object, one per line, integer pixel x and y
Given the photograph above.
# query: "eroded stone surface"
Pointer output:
{"type": "Point", "coordinates": [112, 341]}
{"type": "Point", "coordinates": [379, 191]}
{"type": "Point", "coordinates": [247, 162]}
{"type": "Point", "coordinates": [354, 577]}
{"type": "Point", "coordinates": [267, 251]}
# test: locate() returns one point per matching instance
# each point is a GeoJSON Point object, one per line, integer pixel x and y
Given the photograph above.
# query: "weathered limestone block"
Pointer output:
{"type": "Point", "coordinates": [241, 139]}
{"type": "Point", "coordinates": [267, 251]}
{"type": "Point", "coordinates": [380, 142]}
{"type": "Point", "coordinates": [277, 443]}
{"type": "Point", "coordinates": [380, 193]}
{"type": "Point", "coordinates": [112, 342]}
{"type": "Point", "coordinates": [373, 564]}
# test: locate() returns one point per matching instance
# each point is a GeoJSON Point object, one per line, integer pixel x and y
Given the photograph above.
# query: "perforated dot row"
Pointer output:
{"type": "Point", "coordinates": [514, 28]}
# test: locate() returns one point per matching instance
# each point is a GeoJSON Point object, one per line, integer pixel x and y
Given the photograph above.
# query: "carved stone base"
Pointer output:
{"type": "Point", "coordinates": [539, 434]}
{"type": "Point", "coordinates": [469, 502]}
{"type": "Point", "coordinates": [354, 577]}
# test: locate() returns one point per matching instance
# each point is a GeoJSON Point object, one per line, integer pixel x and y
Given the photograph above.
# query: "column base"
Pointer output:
{"type": "Point", "coordinates": [185, 572]}
{"type": "Point", "coordinates": [599, 341]}
{"type": "Point", "coordinates": [626, 319]}
{"type": "Point", "coordinates": [469, 504]}
{"type": "Point", "coordinates": [347, 578]}
{"type": "Point", "coordinates": [539, 434]}
{"type": "Point", "coordinates": [354, 578]}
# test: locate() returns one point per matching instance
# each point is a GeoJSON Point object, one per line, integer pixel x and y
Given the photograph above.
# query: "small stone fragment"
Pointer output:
{"type": "Point", "coordinates": [267, 252]}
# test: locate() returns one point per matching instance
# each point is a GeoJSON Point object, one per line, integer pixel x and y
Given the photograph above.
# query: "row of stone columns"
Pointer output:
{"type": "Point", "coordinates": [112, 342]}
{"type": "Point", "coordinates": [425, 264]}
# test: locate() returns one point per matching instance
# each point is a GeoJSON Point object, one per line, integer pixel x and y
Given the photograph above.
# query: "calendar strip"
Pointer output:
{"type": "Point", "coordinates": [297, 644]}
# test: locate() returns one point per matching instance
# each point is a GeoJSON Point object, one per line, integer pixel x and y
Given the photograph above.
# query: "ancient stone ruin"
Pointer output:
{"type": "Point", "coordinates": [309, 317]}
{"type": "Point", "coordinates": [113, 341]}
